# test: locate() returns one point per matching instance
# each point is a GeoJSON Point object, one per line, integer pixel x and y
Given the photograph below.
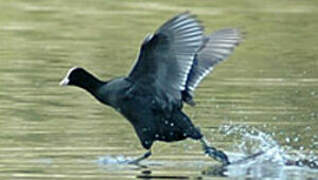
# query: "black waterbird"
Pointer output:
{"type": "Point", "coordinates": [171, 64]}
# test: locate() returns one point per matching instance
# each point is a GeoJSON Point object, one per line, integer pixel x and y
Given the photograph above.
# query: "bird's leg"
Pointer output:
{"type": "Point", "coordinates": [213, 152]}
{"type": "Point", "coordinates": [137, 160]}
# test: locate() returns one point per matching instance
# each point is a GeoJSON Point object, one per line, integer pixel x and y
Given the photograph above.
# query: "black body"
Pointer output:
{"type": "Point", "coordinates": [149, 110]}
{"type": "Point", "coordinates": [170, 65]}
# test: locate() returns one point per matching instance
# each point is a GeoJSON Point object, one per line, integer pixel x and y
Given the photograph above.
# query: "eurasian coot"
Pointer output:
{"type": "Point", "coordinates": [170, 65]}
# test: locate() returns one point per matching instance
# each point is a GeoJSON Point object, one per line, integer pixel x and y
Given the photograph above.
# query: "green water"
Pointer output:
{"type": "Point", "coordinates": [49, 132]}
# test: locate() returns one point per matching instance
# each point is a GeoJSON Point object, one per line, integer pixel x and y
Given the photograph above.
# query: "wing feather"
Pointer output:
{"type": "Point", "coordinates": [216, 48]}
{"type": "Point", "coordinates": [165, 58]}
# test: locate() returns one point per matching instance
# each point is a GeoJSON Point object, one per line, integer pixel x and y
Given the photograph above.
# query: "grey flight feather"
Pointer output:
{"type": "Point", "coordinates": [165, 58]}
{"type": "Point", "coordinates": [216, 48]}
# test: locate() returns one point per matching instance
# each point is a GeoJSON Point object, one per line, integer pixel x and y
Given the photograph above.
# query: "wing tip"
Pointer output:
{"type": "Point", "coordinates": [183, 16]}
{"type": "Point", "coordinates": [241, 35]}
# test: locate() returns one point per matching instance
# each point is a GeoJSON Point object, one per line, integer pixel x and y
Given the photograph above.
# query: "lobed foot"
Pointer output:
{"type": "Point", "coordinates": [217, 155]}
{"type": "Point", "coordinates": [143, 157]}
{"type": "Point", "coordinates": [214, 153]}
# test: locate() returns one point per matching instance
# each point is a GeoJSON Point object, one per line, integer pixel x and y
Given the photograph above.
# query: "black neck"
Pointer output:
{"type": "Point", "coordinates": [91, 84]}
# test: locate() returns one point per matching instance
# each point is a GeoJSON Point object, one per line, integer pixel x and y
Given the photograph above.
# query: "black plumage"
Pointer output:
{"type": "Point", "coordinates": [170, 65]}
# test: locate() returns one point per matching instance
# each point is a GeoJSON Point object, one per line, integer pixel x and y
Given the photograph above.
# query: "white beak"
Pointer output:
{"type": "Point", "coordinates": [65, 81]}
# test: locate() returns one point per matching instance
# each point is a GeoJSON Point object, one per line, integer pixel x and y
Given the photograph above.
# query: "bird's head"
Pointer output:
{"type": "Point", "coordinates": [75, 76]}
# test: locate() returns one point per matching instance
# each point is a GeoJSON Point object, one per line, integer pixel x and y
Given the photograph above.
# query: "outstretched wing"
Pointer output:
{"type": "Point", "coordinates": [216, 48]}
{"type": "Point", "coordinates": [166, 57]}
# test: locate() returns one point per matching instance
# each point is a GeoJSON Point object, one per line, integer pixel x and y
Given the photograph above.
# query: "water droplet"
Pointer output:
{"type": "Point", "coordinates": [313, 114]}
{"type": "Point", "coordinates": [273, 134]}
{"type": "Point", "coordinates": [171, 124]}
{"type": "Point", "coordinates": [300, 163]}
{"type": "Point", "coordinates": [166, 122]}
{"type": "Point", "coordinates": [287, 139]}
{"type": "Point", "coordinates": [156, 135]}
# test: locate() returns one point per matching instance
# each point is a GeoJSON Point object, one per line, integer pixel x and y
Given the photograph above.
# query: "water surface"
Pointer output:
{"type": "Point", "coordinates": [264, 97]}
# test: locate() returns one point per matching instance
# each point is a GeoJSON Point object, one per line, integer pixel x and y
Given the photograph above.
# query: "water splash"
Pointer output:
{"type": "Point", "coordinates": [276, 162]}
{"type": "Point", "coordinates": [114, 160]}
